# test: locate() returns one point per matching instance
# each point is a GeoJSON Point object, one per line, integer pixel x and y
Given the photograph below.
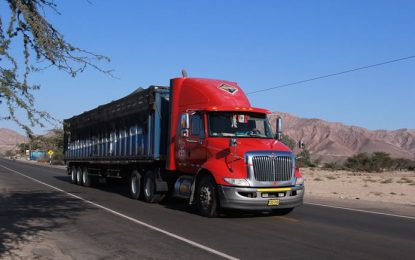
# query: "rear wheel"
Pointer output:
{"type": "Point", "coordinates": [86, 179]}
{"type": "Point", "coordinates": [135, 185]}
{"type": "Point", "coordinates": [149, 188]}
{"type": "Point", "coordinates": [73, 174]}
{"type": "Point", "coordinates": [207, 197]}
{"type": "Point", "coordinates": [78, 175]}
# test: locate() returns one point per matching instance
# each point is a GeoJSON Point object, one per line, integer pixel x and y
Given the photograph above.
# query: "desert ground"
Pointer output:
{"type": "Point", "coordinates": [395, 187]}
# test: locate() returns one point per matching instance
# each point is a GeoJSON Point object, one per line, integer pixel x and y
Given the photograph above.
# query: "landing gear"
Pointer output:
{"type": "Point", "coordinates": [207, 197]}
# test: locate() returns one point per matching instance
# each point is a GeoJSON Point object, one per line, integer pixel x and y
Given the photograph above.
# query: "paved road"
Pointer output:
{"type": "Point", "coordinates": [104, 223]}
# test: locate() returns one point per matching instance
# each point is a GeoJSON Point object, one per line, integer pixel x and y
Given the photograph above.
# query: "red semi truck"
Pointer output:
{"type": "Point", "coordinates": [198, 139]}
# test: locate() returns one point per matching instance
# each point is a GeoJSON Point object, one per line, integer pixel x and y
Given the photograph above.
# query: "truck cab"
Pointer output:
{"type": "Point", "coordinates": [227, 151]}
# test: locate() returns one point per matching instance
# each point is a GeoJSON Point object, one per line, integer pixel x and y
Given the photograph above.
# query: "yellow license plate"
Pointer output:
{"type": "Point", "coordinates": [273, 202]}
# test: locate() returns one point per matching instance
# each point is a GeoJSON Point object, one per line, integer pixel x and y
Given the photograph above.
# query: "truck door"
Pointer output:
{"type": "Point", "coordinates": [193, 149]}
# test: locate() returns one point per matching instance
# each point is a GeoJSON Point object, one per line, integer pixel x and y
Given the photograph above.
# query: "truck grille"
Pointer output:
{"type": "Point", "coordinates": [267, 168]}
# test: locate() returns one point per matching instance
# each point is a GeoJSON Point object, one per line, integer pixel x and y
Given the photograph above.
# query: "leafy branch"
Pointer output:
{"type": "Point", "coordinates": [40, 39]}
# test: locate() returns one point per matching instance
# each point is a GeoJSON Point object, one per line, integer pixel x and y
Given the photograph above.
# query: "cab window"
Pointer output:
{"type": "Point", "coordinates": [197, 127]}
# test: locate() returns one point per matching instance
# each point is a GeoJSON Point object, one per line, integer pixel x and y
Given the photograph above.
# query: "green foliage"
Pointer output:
{"type": "Point", "coordinates": [42, 46]}
{"type": "Point", "coordinates": [305, 159]}
{"type": "Point", "coordinates": [334, 166]}
{"type": "Point", "coordinates": [52, 141]}
{"type": "Point", "coordinates": [377, 162]}
{"type": "Point", "coordinates": [288, 141]}
{"type": "Point", "coordinates": [9, 153]}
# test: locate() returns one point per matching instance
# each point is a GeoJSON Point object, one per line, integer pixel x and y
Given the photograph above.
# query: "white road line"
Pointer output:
{"type": "Point", "coordinates": [360, 210]}
{"type": "Point", "coordinates": [190, 242]}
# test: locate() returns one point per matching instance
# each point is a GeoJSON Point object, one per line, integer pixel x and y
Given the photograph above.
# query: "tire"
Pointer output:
{"type": "Point", "coordinates": [207, 201]}
{"type": "Point", "coordinates": [282, 212]}
{"type": "Point", "coordinates": [149, 189]}
{"type": "Point", "coordinates": [86, 179]}
{"type": "Point", "coordinates": [73, 174]}
{"type": "Point", "coordinates": [79, 175]}
{"type": "Point", "coordinates": [135, 185]}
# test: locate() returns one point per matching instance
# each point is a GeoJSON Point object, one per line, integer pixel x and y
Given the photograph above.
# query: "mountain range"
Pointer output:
{"type": "Point", "coordinates": [9, 139]}
{"type": "Point", "coordinates": [330, 141]}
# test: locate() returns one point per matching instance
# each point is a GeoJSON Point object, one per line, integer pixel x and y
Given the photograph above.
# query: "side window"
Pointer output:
{"type": "Point", "coordinates": [197, 127]}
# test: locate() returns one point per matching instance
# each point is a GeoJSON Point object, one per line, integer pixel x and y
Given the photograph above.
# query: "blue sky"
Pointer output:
{"type": "Point", "coordinates": [258, 44]}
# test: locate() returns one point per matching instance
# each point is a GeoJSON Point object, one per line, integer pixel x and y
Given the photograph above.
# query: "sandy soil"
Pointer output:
{"type": "Point", "coordinates": [396, 187]}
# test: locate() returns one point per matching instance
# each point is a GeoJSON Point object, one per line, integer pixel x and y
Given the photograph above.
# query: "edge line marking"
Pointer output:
{"type": "Point", "coordinates": [188, 241]}
{"type": "Point", "coordinates": [360, 210]}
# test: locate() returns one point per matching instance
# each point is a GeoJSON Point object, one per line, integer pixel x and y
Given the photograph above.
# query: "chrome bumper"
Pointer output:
{"type": "Point", "coordinates": [260, 198]}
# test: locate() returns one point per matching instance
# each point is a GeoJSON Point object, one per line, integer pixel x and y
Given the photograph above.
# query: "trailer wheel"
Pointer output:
{"type": "Point", "coordinates": [149, 191]}
{"type": "Point", "coordinates": [86, 179]}
{"type": "Point", "coordinates": [207, 197]}
{"type": "Point", "coordinates": [78, 175]}
{"type": "Point", "coordinates": [135, 185]}
{"type": "Point", "coordinates": [73, 174]}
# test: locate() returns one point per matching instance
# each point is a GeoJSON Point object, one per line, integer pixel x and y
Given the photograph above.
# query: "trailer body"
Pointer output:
{"type": "Point", "coordinates": [198, 139]}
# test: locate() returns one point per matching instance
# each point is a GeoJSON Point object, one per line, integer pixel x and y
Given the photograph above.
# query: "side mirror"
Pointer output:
{"type": "Point", "coordinates": [301, 144]}
{"type": "Point", "coordinates": [278, 128]}
{"type": "Point", "coordinates": [185, 124]}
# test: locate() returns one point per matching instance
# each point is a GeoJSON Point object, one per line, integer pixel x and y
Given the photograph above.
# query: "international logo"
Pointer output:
{"type": "Point", "coordinates": [228, 88]}
{"type": "Point", "coordinates": [272, 156]}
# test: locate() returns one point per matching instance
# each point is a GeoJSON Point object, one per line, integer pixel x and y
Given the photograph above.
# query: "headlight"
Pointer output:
{"type": "Point", "coordinates": [299, 181]}
{"type": "Point", "coordinates": [237, 182]}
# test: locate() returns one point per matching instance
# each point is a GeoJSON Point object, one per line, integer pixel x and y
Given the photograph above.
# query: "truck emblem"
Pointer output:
{"type": "Point", "coordinates": [272, 156]}
{"type": "Point", "coordinates": [228, 88]}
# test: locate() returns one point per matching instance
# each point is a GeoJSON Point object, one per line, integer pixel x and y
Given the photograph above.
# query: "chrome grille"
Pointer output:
{"type": "Point", "coordinates": [272, 168]}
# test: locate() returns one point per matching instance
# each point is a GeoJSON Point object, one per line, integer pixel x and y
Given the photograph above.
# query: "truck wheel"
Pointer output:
{"type": "Point", "coordinates": [149, 191]}
{"type": "Point", "coordinates": [207, 197]}
{"type": "Point", "coordinates": [73, 174]}
{"type": "Point", "coordinates": [78, 175]}
{"type": "Point", "coordinates": [135, 185]}
{"type": "Point", "coordinates": [86, 179]}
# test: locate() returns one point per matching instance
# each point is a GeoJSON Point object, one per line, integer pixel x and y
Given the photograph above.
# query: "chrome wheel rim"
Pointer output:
{"type": "Point", "coordinates": [205, 196]}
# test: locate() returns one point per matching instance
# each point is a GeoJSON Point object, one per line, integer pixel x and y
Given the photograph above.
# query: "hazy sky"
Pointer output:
{"type": "Point", "coordinates": [259, 44]}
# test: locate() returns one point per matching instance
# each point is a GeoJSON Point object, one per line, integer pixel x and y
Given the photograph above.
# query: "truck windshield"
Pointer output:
{"type": "Point", "coordinates": [239, 124]}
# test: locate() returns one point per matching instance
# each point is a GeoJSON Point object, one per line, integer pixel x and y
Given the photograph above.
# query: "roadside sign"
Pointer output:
{"type": "Point", "coordinates": [50, 152]}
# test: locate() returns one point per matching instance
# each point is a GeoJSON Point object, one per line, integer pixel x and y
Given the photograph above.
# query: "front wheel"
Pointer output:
{"type": "Point", "coordinates": [135, 185]}
{"type": "Point", "coordinates": [207, 197]}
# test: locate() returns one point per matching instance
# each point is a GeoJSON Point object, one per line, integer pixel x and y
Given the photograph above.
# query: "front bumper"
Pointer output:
{"type": "Point", "coordinates": [260, 198]}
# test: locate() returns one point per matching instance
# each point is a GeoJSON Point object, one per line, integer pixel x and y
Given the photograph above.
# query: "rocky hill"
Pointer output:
{"type": "Point", "coordinates": [335, 141]}
{"type": "Point", "coordinates": [9, 139]}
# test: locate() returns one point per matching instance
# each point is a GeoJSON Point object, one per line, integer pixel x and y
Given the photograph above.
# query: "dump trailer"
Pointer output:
{"type": "Point", "coordinates": [197, 139]}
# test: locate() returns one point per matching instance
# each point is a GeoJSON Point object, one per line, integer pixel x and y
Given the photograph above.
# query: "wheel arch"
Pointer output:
{"type": "Point", "coordinates": [199, 175]}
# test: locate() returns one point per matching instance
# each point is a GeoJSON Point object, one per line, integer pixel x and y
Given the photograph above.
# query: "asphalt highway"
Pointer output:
{"type": "Point", "coordinates": [102, 222]}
